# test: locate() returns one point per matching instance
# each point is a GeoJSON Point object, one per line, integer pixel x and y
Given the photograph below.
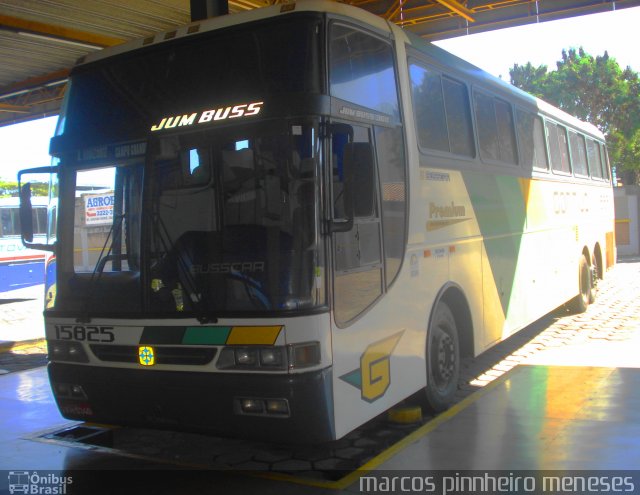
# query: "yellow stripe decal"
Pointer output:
{"type": "Point", "coordinates": [254, 335]}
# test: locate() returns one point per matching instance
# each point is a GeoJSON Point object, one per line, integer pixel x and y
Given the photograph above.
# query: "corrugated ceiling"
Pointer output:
{"type": "Point", "coordinates": [40, 40]}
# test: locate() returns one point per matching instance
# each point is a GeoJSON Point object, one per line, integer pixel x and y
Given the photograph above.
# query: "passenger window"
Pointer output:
{"type": "Point", "coordinates": [605, 162]}
{"type": "Point", "coordinates": [496, 132]}
{"type": "Point", "coordinates": [458, 112]}
{"type": "Point", "coordinates": [595, 161]}
{"type": "Point", "coordinates": [578, 154]}
{"type": "Point", "coordinates": [443, 115]}
{"type": "Point", "coordinates": [506, 135]}
{"type": "Point", "coordinates": [559, 148]}
{"type": "Point", "coordinates": [429, 109]}
{"type": "Point", "coordinates": [539, 145]}
{"type": "Point", "coordinates": [533, 152]}
{"type": "Point", "coordinates": [487, 127]}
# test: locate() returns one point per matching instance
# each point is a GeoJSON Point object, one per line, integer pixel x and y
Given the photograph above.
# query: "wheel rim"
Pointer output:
{"type": "Point", "coordinates": [443, 359]}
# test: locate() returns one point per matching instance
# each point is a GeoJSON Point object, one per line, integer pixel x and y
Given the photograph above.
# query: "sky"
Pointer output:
{"type": "Point", "coordinates": [26, 145]}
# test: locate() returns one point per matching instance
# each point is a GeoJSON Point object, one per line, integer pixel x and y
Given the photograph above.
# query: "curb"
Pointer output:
{"type": "Point", "coordinates": [23, 344]}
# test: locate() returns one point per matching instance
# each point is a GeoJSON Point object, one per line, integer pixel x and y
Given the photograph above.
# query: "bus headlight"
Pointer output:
{"type": "Point", "coordinates": [269, 358]}
{"type": "Point", "coordinates": [246, 356]}
{"type": "Point", "coordinates": [62, 350]}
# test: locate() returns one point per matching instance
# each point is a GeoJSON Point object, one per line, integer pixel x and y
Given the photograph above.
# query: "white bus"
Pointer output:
{"type": "Point", "coordinates": [315, 215]}
{"type": "Point", "coordinates": [20, 267]}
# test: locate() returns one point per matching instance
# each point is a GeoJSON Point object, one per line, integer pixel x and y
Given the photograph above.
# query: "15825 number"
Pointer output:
{"type": "Point", "coordinates": [80, 332]}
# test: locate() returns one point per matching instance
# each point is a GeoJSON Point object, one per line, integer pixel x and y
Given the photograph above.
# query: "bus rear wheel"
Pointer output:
{"type": "Point", "coordinates": [595, 275]}
{"type": "Point", "coordinates": [442, 359]}
{"type": "Point", "coordinates": [581, 302]}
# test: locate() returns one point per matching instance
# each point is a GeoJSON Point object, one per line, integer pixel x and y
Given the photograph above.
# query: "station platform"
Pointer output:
{"type": "Point", "coordinates": [561, 399]}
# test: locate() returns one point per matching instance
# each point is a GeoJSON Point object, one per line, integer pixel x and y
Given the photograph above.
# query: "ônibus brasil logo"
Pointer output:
{"type": "Point", "coordinates": [38, 483]}
{"type": "Point", "coordinates": [205, 116]}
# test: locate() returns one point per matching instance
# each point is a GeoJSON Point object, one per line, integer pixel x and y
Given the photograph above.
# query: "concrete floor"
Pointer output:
{"type": "Point", "coordinates": [533, 418]}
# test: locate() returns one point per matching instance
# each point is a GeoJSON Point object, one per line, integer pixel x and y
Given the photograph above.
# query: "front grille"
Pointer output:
{"type": "Point", "coordinates": [197, 356]}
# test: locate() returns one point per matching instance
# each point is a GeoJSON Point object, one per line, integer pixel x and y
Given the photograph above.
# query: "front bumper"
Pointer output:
{"type": "Point", "coordinates": [200, 402]}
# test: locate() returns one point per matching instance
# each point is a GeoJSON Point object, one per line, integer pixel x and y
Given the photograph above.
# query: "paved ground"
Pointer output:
{"type": "Point", "coordinates": [22, 343]}
{"type": "Point", "coordinates": [607, 334]}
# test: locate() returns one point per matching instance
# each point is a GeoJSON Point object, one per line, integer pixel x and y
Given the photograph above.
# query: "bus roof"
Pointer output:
{"type": "Point", "coordinates": [215, 23]}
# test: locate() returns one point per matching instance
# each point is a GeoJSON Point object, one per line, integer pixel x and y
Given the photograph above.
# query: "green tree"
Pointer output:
{"type": "Point", "coordinates": [597, 90]}
{"type": "Point", "coordinates": [10, 189]}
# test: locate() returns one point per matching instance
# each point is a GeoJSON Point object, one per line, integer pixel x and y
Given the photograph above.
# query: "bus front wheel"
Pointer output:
{"type": "Point", "coordinates": [442, 359]}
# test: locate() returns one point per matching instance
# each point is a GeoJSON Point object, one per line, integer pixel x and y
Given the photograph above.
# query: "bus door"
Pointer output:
{"type": "Point", "coordinates": [363, 333]}
{"type": "Point", "coordinates": [355, 224]}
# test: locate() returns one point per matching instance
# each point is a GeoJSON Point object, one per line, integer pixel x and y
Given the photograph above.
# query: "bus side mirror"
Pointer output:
{"type": "Point", "coordinates": [26, 208]}
{"type": "Point", "coordinates": [359, 178]}
{"type": "Point", "coordinates": [359, 185]}
{"type": "Point", "coordinates": [26, 214]}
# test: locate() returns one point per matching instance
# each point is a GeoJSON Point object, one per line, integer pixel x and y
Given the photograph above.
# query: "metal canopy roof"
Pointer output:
{"type": "Point", "coordinates": [40, 40]}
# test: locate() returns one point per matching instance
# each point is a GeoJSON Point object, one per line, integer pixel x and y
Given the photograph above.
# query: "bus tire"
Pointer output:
{"type": "Point", "coordinates": [594, 279]}
{"type": "Point", "coordinates": [580, 303]}
{"type": "Point", "coordinates": [442, 359]}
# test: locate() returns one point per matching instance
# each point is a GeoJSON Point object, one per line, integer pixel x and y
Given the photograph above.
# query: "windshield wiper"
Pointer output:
{"type": "Point", "coordinates": [100, 264]}
{"type": "Point", "coordinates": [190, 286]}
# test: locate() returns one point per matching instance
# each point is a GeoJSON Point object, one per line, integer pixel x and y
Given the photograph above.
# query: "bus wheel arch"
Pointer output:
{"type": "Point", "coordinates": [449, 339]}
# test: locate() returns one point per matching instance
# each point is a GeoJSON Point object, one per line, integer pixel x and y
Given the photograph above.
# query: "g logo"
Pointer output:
{"type": "Point", "coordinates": [374, 376]}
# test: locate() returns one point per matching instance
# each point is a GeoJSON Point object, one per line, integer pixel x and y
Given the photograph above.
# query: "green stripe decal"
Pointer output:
{"type": "Point", "coordinates": [162, 335]}
{"type": "Point", "coordinates": [206, 335]}
{"type": "Point", "coordinates": [499, 206]}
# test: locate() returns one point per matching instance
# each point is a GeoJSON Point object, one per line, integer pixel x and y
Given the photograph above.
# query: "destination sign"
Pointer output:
{"type": "Point", "coordinates": [212, 115]}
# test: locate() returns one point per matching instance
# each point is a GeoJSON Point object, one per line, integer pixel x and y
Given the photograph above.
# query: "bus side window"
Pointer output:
{"type": "Point", "coordinates": [540, 160]}
{"type": "Point", "coordinates": [558, 148]}
{"type": "Point", "coordinates": [458, 111]}
{"type": "Point", "coordinates": [428, 102]}
{"type": "Point", "coordinates": [578, 154]}
{"type": "Point", "coordinates": [506, 134]}
{"type": "Point", "coordinates": [487, 127]}
{"type": "Point", "coordinates": [595, 161]}
{"type": "Point", "coordinates": [496, 132]}
{"type": "Point", "coordinates": [605, 162]}
{"type": "Point", "coordinates": [442, 112]}
{"type": "Point", "coordinates": [7, 222]}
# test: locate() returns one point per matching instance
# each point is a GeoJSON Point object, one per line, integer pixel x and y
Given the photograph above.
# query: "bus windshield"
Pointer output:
{"type": "Point", "coordinates": [230, 225]}
{"type": "Point", "coordinates": [234, 220]}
